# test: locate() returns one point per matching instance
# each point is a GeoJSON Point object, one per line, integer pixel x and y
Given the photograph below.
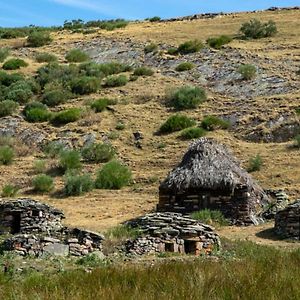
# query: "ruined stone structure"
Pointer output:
{"type": "Point", "coordinates": [210, 177]}
{"type": "Point", "coordinates": [37, 230]}
{"type": "Point", "coordinates": [172, 232]}
{"type": "Point", "coordinates": [287, 221]}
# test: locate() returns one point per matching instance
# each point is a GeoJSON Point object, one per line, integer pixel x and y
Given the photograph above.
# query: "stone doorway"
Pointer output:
{"type": "Point", "coordinates": [15, 223]}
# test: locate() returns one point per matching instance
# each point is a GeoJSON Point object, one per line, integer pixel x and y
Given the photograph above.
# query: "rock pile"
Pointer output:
{"type": "Point", "coordinates": [287, 221]}
{"type": "Point", "coordinates": [172, 232]}
{"type": "Point", "coordinates": [281, 200]}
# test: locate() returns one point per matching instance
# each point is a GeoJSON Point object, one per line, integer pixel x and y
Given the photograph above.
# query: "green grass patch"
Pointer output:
{"type": "Point", "coordinates": [76, 56]}
{"type": "Point", "coordinates": [143, 71]}
{"type": "Point", "coordinates": [176, 123]}
{"type": "Point", "coordinates": [185, 66]}
{"type": "Point", "coordinates": [255, 163]}
{"type": "Point", "coordinates": [42, 183]}
{"type": "Point", "coordinates": [192, 133]}
{"type": "Point", "coordinates": [219, 42]}
{"type": "Point", "coordinates": [190, 47]}
{"type": "Point", "coordinates": [66, 116]}
{"type": "Point", "coordinates": [76, 185]}
{"type": "Point", "coordinates": [14, 64]}
{"type": "Point", "coordinates": [213, 217]}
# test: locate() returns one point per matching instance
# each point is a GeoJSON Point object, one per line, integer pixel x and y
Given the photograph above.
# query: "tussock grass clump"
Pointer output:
{"type": "Point", "coordinates": [14, 64]}
{"type": "Point", "coordinates": [186, 97]}
{"type": "Point", "coordinates": [176, 123]}
{"type": "Point", "coordinates": [8, 107]}
{"type": "Point", "coordinates": [66, 116]}
{"type": "Point", "coordinates": [185, 66]}
{"type": "Point", "coordinates": [151, 48]}
{"type": "Point", "coordinates": [36, 115]}
{"type": "Point", "coordinates": [70, 160]}
{"type": "Point", "coordinates": [42, 183]}
{"type": "Point", "coordinates": [212, 123]}
{"type": "Point", "coordinates": [247, 71]}
{"type": "Point", "coordinates": [76, 56]}
{"type": "Point", "coordinates": [7, 155]}
{"type": "Point", "coordinates": [53, 149]}
{"type": "Point", "coordinates": [143, 71]}
{"type": "Point", "coordinates": [113, 175]}
{"type": "Point", "coordinates": [101, 104]}
{"type": "Point", "coordinates": [4, 52]}
{"type": "Point", "coordinates": [218, 42]}
{"type": "Point", "coordinates": [39, 166]}
{"type": "Point", "coordinates": [45, 57]}
{"type": "Point", "coordinates": [254, 29]}
{"type": "Point", "coordinates": [116, 80]}
{"type": "Point", "coordinates": [190, 47]}
{"type": "Point", "coordinates": [85, 85]}
{"type": "Point", "coordinates": [208, 216]}
{"type": "Point", "coordinates": [98, 153]}
{"type": "Point", "coordinates": [9, 190]}
{"type": "Point", "coordinates": [38, 39]}
{"type": "Point", "coordinates": [172, 51]}
{"type": "Point", "coordinates": [192, 133]}
{"type": "Point", "coordinates": [55, 97]}
{"type": "Point", "coordinates": [76, 185]}
{"type": "Point", "coordinates": [122, 232]}
{"type": "Point", "coordinates": [255, 163]}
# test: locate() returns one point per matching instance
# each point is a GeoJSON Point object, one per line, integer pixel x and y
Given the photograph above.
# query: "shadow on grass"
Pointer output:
{"type": "Point", "coordinates": [269, 234]}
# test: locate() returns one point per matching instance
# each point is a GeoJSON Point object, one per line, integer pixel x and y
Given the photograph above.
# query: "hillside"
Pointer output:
{"type": "Point", "coordinates": [262, 111]}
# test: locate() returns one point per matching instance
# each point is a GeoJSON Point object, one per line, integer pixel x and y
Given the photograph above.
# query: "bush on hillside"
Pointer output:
{"type": "Point", "coordinates": [7, 79]}
{"type": "Point", "coordinates": [143, 71]}
{"type": "Point", "coordinates": [33, 105]}
{"type": "Point", "coordinates": [255, 29]}
{"type": "Point", "coordinates": [38, 39]}
{"type": "Point", "coordinates": [7, 155]}
{"type": "Point", "coordinates": [254, 163]}
{"type": "Point", "coordinates": [8, 107]}
{"type": "Point", "coordinates": [218, 42]}
{"type": "Point", "coordinates": [9, 190]}
{"type": "Point", "coordinates": [53, 149]}
{"type": "Point", "coordinates": [66, 116]}
{"type": "Point", "coordinates": [101, 104]}
{"type": "Point", "coordinates": [85, 85]}
{"type": "Point", "coordinates": [4, 52]}
{"type": "Point", "coordinates": [247, 71]}
{"type": "Point", "coordinates": [76, 55]}
{"type": "Point", "coordinates": [14, 64]}
{"type": "Point", "coordinates": [42, 183]}
{"type": "Point", "coordinates": [116, 80]}
{"type": "Point", "coordinates": [36, 115]}
{"type": "Point", "coordinates": [113, 175]}
{"type": "Point", "coordinates": [213, 123]}
{"type": "Point", "coordinates": [190, 47]}
{"type": "Point", "coordinates": [45, 57]}
{"type": "Point", "coordinates": [98, 152]}
{"type": "Point", "coordinates": [176, 123]}
{"type": "Point", "coordinates": [151, 48]}
{"type": "Point", "coordinates": [155, 19]}
{"type": "Point", "coordinates": [172, 51]}
{"type": "Point", "coordinates": [192, 133]}
{"type": "Point", "coordinates": [105, 69]}
{"type": "Point", "coordinates": [186, 97]}
{"type": "Point", "coordinates": [185, 66]}
{"type": "Point", "coordinates": [70, 160]}
{"type": "Point", "coordinates": [55, 97]}
{"type": "Point", "coordinates": [39, 166]}
{"type": "Point", "coordinates": [76, 185]}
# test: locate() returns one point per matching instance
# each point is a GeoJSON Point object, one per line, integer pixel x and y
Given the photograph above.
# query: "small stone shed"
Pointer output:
{"type": "Point", "coordinates": [287, 221]}
{"type": "Point", "coordinates": [209, 176]}
{"type": "Point", "coordinates": [172, 232]}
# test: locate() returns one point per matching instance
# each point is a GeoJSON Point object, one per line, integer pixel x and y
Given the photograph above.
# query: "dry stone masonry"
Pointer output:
{"type": "Point", "coordinates": [172, 232]}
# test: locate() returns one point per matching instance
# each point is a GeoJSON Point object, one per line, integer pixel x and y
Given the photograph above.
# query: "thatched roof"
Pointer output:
{"type": "Point", "coordinates": [207, 165]}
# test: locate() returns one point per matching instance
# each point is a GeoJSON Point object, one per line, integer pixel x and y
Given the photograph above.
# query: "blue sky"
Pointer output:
{"type": "Point", "coordinates": [53, 12]}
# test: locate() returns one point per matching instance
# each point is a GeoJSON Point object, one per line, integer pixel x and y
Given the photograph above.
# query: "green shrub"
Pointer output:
{"type": "Point", "coordinates": [116, 80]}
{"type": "Point", "coordinates": [185, 66]}
{"type": "Point", "coordinates": [208, 216]}
{"type": "Point", "coordinates": [76, 185]}
{"type": "Point", "coordinates": [70, 160]}
{"type": "Point", "coordinates": [193, 133]}
{"type": "Point", "coordinates": [9, 190]}
{"type": "Point", "coordinates": [14, 64]}
{"type": "Point", "coordinates": [247, 71]}
{"type": "Point", "coordinates": [176, 123]}
{"type": "Point", "coordinates": [21, 96]}
{"type": "Point", "coordinates": [85, 85]}
{"type": "Point", "coordinates": [120, 126]}
{"type": "Point", "coordinates": [53, 149]}
{"type": "Point", "coordinates": [255, 29]}
{"type": "Point", "coordinates": [7, 79]}
{"type": "Point", "coordinates": [38, 39]}
{"type": "Point", "coordinates": [32, 105]}
{"type": "Point", "coordinates": [218, 42]}
{"type": "Point", "coordinates": [151, 48]}
{"type": "Point", "coordinates": [36, 115]}
{"type": "Point", "coordinates": [39, 166]}
{"type": "Point", "coordinates": [212, 123]}
{"type": "Point", "coordinates": [66, 116]}
{"type": "Point", "coordinates": [113, 175]}
{"type": "Point", "coordinates": [172, 51]}
{"type": "Point", "coordinates": [155, 19]}
{"type": "Point", "coordinates": [187, 97]}
{"type": "Point", "coordinates": [8, 107]}
{"type": "Point", "coordinates": [255, 163]}
{"type": "Point", "coordinates": [42, 183]}
{"type": "Point", "coordinates": [4, 52]}
{"type": "Point", "coordinates": [55, 97]}
{"type": "Point", "coordinates": [297, 141]}
{"type": "Point", "coordinates": [45, 57]}
{"type": "Point", "coordinates": [143, 71]}
{"type": "Point", "coordinates": [190, 47]}
{"type": "Point", "coordinates": [76, 55]}
{"type": "Point", "coordinates": [101, 104]}
{"type": "Point", "coordinates": [7, 155]}
{"type": "Point", "coordinates": [91, 260]}
{"type": "Point", "coordinates": [98, 152]}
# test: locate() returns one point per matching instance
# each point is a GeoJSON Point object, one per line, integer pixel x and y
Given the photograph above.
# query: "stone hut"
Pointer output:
{"type": "Point", "coordinates": [209, 176]}
{"type": "Point", "coordinates": [172, 232]}
{"type": "Point", "coordinates": [287, 221]}
{"type": "Point", "coordinates": [29, 216]}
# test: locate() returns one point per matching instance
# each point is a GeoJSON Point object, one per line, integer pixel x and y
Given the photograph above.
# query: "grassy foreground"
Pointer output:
{"type": "Point", "coordinates": [244, 271]}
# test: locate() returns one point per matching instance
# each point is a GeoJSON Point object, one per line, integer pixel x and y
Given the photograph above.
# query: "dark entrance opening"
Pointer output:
{"type": "Point", "coordinates": [169, 247]}
{"type": "Point", "coordinates": [16, 223]}
{"type": "Point", "coordinates": [190, 247]}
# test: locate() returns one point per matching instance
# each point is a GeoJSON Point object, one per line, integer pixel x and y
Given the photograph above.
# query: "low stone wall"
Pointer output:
{"type": "Point", "coordinates": [287, 221]}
